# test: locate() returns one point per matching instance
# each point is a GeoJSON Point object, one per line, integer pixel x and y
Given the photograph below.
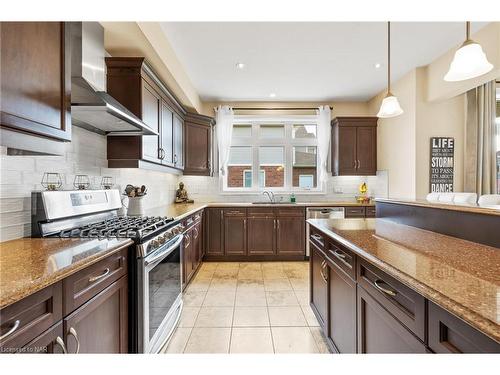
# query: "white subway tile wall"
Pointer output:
{"type": "Point", "coordinates": [340, 188]}
{"type": "Point", "coordinates": [86, 154]}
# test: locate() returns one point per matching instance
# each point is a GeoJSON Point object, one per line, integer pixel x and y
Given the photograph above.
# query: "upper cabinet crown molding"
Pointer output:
{"type": "Point", "coordinates": [354, 146]}
{"type": "Point", "coordinates": [36, 79]}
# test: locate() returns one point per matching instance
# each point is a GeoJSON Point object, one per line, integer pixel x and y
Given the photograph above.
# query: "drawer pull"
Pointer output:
{"type": "Point", "coordinates": [390, 292]}
{"type": "Point", "coordinates": [13, 329]}
{"type": "Point", "coordinates": [60, 342]}
{"type": "Point", "coordinates": [339, 255]}
{"type": "Point", "coordinates": [72, 332]}
{"type": "Point", "coordinates": [95, 278]}
{"type": "Point", "coordinates": [317, 237]}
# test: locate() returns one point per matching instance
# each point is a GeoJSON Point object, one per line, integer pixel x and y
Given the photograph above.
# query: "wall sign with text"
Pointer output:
{"type": "Point", "coordinates": [442, 161]}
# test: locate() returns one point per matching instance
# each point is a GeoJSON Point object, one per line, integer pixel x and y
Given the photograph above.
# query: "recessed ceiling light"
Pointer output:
{"type": "Point", "coordinates": [272, 95]}
{"type": "Point", "coordinates": [240, 65]}
{"type": "Point", "coordinates": [378, 65]}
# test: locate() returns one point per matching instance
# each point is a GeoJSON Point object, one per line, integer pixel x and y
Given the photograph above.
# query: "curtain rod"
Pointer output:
{"type": "Point", "coordinates": [276, 108]}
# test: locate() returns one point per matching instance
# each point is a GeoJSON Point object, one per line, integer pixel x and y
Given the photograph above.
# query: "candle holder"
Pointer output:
{"type": "Point", "coordinates": [82, 182]}
{"type": "Point", "coordinates": [51, 181]}
{"type": "Point", "coordinates": [107, 182]}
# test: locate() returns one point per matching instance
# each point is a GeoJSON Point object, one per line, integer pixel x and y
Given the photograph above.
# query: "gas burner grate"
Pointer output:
{"type": "Point", "coordinates": [121, 227]}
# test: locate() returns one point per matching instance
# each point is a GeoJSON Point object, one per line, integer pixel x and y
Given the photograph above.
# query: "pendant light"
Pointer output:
{"type": "Point", "coordinates": [390, 105]}
{"type": "Point", "coordinates": [469, 61]}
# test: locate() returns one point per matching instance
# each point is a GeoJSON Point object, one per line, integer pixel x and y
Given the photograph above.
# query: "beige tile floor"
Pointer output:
{"type": "Point", "coordinates": [251, 307]}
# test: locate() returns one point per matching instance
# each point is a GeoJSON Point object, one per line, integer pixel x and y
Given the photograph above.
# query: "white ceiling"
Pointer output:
{"type": "Point", "coordinates": [304, 61]}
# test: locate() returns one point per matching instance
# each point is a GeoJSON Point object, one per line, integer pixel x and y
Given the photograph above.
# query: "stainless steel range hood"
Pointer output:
{"type": "Point", "coordinates": [91, 107]}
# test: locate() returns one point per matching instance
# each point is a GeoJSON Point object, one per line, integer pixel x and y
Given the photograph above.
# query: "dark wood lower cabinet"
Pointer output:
{"type": "Point", "coordinates": [188, 256]}
{"type": "Point", "coordinates": [369, 311]}
{"type": "Point", "coordinates": [342, 310]}
{"type": "Point", "coordinates": [235, 235]}
{"type": "Point", "coordinates": [319, 285]}
{"type": "Point", "coordinates": [49, 342]}
{"type": "Point", "coordinates": [290, 235]}
{"type": "Point", "coordinates": [380, 332]}
{"type": "Point", "coordinates": [449, 334]}
{"type": "Point", "coordinates": [214, 234]}
{"type": "Point", "coordinates": [261, 235]}
{"type": "Point", "coordinates": [101, 324]}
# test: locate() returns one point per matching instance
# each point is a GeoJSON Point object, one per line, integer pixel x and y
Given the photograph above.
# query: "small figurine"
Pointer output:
{"type": "Point", "coordinates": [181, 196]}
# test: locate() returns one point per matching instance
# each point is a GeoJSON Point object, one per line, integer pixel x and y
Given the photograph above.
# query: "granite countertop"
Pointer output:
{"type": "Point", "coordinates": [28, 265]}
{"type": "Point", "coordinates": [181, 210]}
{"type": "Point", "coordinates": [461, 276]}
{"type": "Point", "coordinates": [491, 210]}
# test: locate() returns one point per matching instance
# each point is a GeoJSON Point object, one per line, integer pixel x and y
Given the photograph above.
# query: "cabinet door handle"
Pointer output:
{"type": "Point", "coordinates": [196, 235]}
{"type": "Point", "coordinates": [175, 158]}
{"type": "Point", "coordinates": [95, 278]}
{"type": "Point", "coordinates": [13, 329]}
{"type": "Point", "coordinates": [188, 240]}
{"type": "Point", "coordinates": [390, 292]}
{"type": "Point", "coordinates": [274, 224]}
{"type": "Point", "coordinates": [323, 276]}
{"type": "Point", "coordinates": [359, 163]}
{"type": "Point", "coordinates": [73, 333]}
{"type": "Point", "coordinates": [60, 342]}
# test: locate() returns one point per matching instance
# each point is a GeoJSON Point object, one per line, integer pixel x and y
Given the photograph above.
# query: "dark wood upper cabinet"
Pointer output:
{"type": "Point", "coordinates": [132, 82]}
{"type": "Point", "coordinates": [152, 116]}
{"type": "Point", "coordinates": [354, 146]}
{"type": "Point", "coordinates": [198, 145]}
{"type": "Point", "coordinates": [167, 134]}
{"type": "Point", "coordinates": [36, 78]}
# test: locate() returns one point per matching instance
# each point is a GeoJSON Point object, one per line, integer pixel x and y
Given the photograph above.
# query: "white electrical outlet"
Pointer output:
{"type": "Point", "coordinates": [338, 190]}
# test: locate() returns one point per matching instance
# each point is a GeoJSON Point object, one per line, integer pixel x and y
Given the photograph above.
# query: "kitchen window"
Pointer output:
{"type": "Point", "coordinates": [282, 150]}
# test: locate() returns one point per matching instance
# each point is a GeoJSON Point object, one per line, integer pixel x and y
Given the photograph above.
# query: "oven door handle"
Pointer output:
{"type": "Point", "coordinates": [162, 254]}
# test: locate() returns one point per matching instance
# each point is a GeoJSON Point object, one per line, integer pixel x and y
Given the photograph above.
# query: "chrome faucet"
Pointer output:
{"type": "Point", "coordinates": [270, 195]}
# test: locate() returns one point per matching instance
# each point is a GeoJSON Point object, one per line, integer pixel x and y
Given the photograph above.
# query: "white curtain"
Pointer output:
{"type": "Point", "coordinates": [323, 134]}
{"type": "Point", "coordinates": [480, 137]}
{"type": "Point", "coordinates": [224, 117]}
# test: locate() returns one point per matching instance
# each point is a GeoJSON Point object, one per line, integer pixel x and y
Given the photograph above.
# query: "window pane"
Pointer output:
{"type": "Point", "coordinates": [272, 131]}
{"type": "Point", "coordinates": [242, 131]}
{"type": "Point", "coordinates": [304, 172]}
{"type": "Point", "coordinates": [304, 131]}
{"type": "Point", "coordinates": [239, 169]}
{"type": "Point", "coordinates": [271, 167]}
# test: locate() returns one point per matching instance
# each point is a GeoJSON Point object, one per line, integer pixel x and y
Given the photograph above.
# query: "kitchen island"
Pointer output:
{"type": "Point", "coordinates": [407, 278]}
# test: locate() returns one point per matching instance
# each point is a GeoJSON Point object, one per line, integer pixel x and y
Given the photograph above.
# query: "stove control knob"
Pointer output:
{"type": "Point", "coordinates": [162, 239]}
{"type": "Point", "coordinates": [154, 244]}
{"type": "Point", "coordinates": [169, 235]}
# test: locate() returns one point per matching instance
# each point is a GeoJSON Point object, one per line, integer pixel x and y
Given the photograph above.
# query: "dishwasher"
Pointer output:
{"type": "Point", "coordinates": [322, 213]}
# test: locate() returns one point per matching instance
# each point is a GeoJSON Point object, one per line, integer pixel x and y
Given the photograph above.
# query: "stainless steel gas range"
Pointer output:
{"type": "Point", "coordinates": [155, 272]}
